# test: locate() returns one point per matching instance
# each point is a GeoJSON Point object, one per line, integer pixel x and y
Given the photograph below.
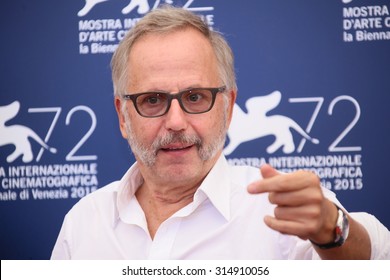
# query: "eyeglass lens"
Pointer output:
{"type": "Point", "coordinates": [192, 101]}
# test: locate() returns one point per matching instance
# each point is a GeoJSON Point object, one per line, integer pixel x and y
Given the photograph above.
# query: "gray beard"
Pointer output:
{"type": "Point", "coordinates": [148, 154]}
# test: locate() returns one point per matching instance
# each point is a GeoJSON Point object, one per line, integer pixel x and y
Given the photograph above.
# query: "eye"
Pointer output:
{"type": "Point", "coordinates": [194, 97]}
{"type": "Point", "coordinates": [151, 99]}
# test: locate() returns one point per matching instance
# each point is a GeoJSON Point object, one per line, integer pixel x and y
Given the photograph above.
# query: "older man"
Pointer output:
{"type": "Point", "coordinates": [175, 88]}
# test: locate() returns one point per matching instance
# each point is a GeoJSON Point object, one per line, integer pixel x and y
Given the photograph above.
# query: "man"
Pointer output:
{"type": "Point", "coordinates": [175, 88]}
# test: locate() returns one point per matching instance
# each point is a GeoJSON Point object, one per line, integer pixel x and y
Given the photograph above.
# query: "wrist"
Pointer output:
{"type": "Point", "coordinates": [340, 231]}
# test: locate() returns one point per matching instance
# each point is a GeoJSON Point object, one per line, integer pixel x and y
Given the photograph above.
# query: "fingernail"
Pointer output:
{"type": "Point", "coordinates": [251, 188]}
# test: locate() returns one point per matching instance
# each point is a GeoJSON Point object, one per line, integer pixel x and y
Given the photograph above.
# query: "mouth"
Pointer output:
{"type": "Point", "coordinates": [176, 148]}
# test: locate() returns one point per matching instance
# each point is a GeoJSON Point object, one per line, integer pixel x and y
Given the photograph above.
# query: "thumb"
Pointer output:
{"type": "Point", "coordinates": [267, 171]}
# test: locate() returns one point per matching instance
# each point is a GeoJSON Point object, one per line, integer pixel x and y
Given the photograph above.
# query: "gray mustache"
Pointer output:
{"type": "Point", "coordinates": [176, 137]}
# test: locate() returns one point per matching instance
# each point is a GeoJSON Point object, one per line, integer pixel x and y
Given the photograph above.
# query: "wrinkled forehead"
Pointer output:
{"type": "Point", "coordinates": [182, 54]}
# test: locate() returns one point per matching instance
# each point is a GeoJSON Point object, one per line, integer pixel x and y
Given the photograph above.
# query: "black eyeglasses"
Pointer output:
{"type": "Point", "coordinates": [192, 101]}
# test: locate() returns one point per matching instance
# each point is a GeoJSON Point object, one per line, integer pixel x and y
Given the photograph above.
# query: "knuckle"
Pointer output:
{"type": "Point", "coordinates": [314, 179]}
{"type": "Point", "coordinates": [277, 212]}
{"type": "Point", "coordinates": [317, 197]}
{"type": "Point", "coordinates": [272, 198]}
{"type": "Point", "coordinates": [314, 212]}
{"type": "Point", "coordinates": [282, 183]}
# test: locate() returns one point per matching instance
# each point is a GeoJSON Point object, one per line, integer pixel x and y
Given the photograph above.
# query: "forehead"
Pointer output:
{"type": "Point", "coordinates": [177, 59]}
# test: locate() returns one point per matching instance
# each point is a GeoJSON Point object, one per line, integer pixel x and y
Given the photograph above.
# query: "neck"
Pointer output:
{"type": "Point", "coordinates": [161, 202]}
{"type": "Point", "coordinates": [169, 188]}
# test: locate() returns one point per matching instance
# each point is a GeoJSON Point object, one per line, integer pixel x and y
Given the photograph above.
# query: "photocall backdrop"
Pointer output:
{"type": "Point", "coordinates": [314, 88]}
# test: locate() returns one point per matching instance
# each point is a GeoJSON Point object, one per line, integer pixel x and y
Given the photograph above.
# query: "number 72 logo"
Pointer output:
{"type": "Point", "coordinates": [57, 111]}
{"type": "Point", "coordinates": [21, 135]}
{"type": "Point", "coordinates": [334, 146]}
{"type": "Point", "coordinates": [258, 121]}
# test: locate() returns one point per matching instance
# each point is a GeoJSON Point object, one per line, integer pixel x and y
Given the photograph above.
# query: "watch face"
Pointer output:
{"type": "Point", "coordinates": [342, 228]}
{"type": "Point", "coordinates": [339, 233]}
{"type": "Point", "coordinates": [339, 226]}
{"type": "Point", "coordinates": [345, 228]}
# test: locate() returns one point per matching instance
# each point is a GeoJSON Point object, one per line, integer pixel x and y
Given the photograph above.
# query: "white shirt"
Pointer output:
{"type": "Point", "coordinates": [224, 221]}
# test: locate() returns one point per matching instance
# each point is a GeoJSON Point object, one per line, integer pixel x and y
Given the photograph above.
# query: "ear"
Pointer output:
{"type": "Point", "coordinates": [122, 121]}
{"type": "Point", "coordinates": [232, 101]}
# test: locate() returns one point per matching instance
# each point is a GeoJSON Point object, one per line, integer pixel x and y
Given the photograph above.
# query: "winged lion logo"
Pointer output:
{"type": "Point", "coordinates": [18, 135]}
{"type": "Point", "coordinates": [256, 124]}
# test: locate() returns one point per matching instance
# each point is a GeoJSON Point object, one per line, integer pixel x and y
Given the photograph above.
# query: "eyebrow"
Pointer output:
{"type": "Point", "coordinates": [164, 91]}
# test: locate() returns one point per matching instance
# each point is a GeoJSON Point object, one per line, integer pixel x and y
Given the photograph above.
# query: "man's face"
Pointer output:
{"type": "Point", "coordinates": [176, 146]}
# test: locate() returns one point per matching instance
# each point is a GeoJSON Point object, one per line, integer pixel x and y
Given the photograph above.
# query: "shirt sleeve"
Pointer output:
{"type": "Point", "coordinates": [61, 250]}
{"type": "Point", "coordinates": [379, 235]}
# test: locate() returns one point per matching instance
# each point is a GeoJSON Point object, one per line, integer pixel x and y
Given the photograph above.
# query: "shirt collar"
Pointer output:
{"type": "Point", "coordinates": [128, 185]}
{"type": "Point", "coordinates": [215, 187]}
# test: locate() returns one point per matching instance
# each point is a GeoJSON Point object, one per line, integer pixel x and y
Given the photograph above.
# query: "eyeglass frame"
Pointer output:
{"type": "Point", "coordinates": [171, 96]}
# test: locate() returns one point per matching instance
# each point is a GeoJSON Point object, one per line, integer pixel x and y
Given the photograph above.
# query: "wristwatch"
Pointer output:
{"type": "Point", "coordinates": [340, 232]}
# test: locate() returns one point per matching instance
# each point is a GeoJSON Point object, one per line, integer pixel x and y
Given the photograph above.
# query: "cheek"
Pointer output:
{"type": "Point", "coordinates": [145, 130]}
{"type": "Point", "coordinates": [220, 115]}
{"type": "Point", "coordinates": [209, 125]}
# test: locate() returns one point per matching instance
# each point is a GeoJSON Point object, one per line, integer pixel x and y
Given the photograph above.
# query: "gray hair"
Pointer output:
{"type": "Point", "coordinates": [166, 20]}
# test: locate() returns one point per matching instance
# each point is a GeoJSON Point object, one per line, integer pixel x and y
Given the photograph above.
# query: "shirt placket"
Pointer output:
{"type": "Point", "coordinates": [164, 239]}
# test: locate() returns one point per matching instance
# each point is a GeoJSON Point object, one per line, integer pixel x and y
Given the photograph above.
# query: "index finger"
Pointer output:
{"type": "Point", "coordinates": [284, 182]}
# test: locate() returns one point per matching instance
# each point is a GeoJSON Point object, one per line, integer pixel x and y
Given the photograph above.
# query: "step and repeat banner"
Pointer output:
{"type": "Point", "coordinates": [314, 93]}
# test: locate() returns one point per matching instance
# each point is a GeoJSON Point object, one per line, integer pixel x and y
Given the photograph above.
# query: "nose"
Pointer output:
{"type": "Point", "coordinates": [175, 118]}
